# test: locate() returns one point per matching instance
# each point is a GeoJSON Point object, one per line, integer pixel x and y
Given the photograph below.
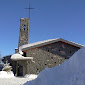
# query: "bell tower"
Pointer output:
{"type": "Point", "coordinates": [24, 31]}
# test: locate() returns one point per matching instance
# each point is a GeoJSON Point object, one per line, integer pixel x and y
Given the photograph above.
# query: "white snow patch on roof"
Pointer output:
{"type": "Point", "coordinates": [45, 42]}
{"type": "Point", "coordinates": [20, 57]}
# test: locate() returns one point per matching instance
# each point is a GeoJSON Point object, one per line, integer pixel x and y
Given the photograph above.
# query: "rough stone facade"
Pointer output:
{"type": "Point", "coordinates": [49, 56]}
{"type": "Point", "coordinates": [24, 31]}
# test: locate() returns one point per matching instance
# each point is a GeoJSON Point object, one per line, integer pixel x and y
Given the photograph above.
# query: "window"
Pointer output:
{"type": "Point", "coordinates": [45, 64]}
{"type": "Point", "coordinates": [24, 54]}
{"type": "Point", "coordinates": [48, 50]}
{"type": "Point", "coordinates": [37, 69]}
{"type": "Point", "coordinates": [59, 50]}
{"type": "Point", "coordinates": [55, 62]}
{"type": "Point", "coordinates": [24, 27]}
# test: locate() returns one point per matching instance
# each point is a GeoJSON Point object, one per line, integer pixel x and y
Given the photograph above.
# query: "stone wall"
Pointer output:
{"type": "Point", "coordinates": [24, 31]}
{"type": "Point", "coordinates": [49, 56]}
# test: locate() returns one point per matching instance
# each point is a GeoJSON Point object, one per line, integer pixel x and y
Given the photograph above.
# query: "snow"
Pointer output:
{"type": "Point", "coordinates": [5, 74]}
{"type": "Point", "coordinates": [14, 56]}
{"type": "Point", "coordinates": [71, 72]}
{"type": "Point", "coordinates": [30, 76]}
{"type": "Point", "coordinates": [20, 57]}
{"type": "Point", "coordinates": [17, 80]}
{"type": "Point", "coordinates": [41, 43]}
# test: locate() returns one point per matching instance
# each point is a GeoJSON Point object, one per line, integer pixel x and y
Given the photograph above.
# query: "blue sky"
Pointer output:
{"type": "Point", "coordinates": [50, 19]}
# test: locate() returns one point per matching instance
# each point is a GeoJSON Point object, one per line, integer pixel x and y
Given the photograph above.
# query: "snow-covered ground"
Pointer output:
{"type": "Point", "coordinates": [17, 80]}
{"type": "Point", "coordinates": [5, 74]}
{"type": "Point", "coordinates": [13, 81]}
{"type": "Point", "coordinates": [71, 72]}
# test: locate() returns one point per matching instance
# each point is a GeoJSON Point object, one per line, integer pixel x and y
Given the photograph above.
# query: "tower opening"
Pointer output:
{"type": "Point", "coordinates": [24, 27]}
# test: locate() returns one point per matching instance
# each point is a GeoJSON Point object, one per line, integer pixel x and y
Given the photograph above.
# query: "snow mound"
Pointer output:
{"type": "Point", "coordinates": [30, 76]}
{"type": "Point", "coordinates": [14, 56]}
{"type": "Point", "coordinates": [71, 72]}
{"type": "Point", "coordinates": [5, 74]}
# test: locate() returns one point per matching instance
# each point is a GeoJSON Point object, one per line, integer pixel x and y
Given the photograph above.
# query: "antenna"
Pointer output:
{"type": "Point", "coordinates": [29, 15]}
{"type": "Point", "coordinates": [29, 10]}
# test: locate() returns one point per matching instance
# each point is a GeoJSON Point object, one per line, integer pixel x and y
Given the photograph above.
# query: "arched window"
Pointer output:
{"type": "Point", "coordinates": [24, 27]}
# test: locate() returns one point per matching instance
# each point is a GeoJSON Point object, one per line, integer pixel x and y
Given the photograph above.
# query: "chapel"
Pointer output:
{"type": "Point", "coordinates": [35, 57]}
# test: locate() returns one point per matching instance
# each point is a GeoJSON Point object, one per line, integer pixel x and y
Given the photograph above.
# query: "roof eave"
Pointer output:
{"type": "Point", "coordinates": [42, 43]}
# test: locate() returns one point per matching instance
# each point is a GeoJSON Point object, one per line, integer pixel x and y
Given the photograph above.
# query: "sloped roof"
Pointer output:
{"type": "Point", "coordinates": [45, 42]}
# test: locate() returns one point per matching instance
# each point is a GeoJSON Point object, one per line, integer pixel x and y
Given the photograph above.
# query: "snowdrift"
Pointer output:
{"type": "Point", "coordinates": [30, 76]}
{"type": "Point", "coordinates": [5, 74]}
{"type": "Point", "coordinates": [71, 72]}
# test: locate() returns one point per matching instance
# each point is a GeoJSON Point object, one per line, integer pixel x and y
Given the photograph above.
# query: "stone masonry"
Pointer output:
{"type": "Point", "coordinates": [24, 31]}
{"type": "Point", "coordinates": [49, 56]}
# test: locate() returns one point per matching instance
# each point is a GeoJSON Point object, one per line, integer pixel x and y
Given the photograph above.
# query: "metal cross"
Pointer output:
{"type": "Point", "coordinates": [29, 10]}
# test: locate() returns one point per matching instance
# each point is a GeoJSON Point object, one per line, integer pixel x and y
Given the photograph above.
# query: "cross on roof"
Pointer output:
{"type": "Point", "coordinates": [29, 10]}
